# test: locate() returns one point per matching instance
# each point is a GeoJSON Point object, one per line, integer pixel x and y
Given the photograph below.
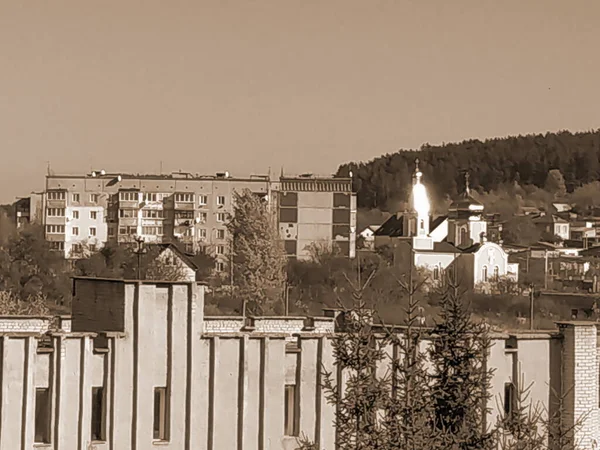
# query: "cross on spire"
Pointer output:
{"type": "Point", "coordinates": [467, 187]}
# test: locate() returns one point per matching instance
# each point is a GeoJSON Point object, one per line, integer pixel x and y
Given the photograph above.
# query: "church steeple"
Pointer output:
{"type": "Point", "coordinates": [467, 187]}
{"type": "Point", "coordinates": [420, 203]}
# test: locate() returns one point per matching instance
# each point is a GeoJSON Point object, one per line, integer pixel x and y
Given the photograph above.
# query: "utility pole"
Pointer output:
{"type": "Point", "coordinates": [531, 294]}
{"type": "Point", "coordinates": [140, 249]}
{"type": "Point", "coordinates": [546, 270]}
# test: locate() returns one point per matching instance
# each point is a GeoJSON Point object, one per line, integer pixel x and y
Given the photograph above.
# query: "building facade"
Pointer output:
{"type": "Point", "coordinates": [139, 366]}
{"type": "Point", "coordinates": [84, 212]}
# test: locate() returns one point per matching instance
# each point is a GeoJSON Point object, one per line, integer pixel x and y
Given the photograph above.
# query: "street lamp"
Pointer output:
{"type": "Point", "coordinates": [139, 250]}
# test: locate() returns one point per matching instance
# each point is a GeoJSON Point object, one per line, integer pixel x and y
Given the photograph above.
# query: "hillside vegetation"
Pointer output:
{"type": "Point", "coordinates": [383, 183]}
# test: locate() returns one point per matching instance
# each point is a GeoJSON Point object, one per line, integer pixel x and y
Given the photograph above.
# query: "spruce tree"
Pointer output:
{"type": "Point", "coordinates": [408, 415]}
{"type": "Point", "coordinates": [459, 377]}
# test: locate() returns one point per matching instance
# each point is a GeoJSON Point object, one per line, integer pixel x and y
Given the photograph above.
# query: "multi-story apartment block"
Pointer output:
{"type": "Point", "coordinates": [85, 211]}
{"type": "Point", "coordinates": [315, 211]}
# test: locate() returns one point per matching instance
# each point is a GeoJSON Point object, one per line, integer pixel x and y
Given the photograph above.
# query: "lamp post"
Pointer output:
{"type": "Point", "coordinates": [139, 250]}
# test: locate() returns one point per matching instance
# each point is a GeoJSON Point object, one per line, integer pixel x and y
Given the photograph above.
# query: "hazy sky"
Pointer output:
{"type": "Point", "coordinates": [214, 85]}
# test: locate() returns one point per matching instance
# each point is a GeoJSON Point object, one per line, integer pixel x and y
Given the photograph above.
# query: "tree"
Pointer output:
{"type": "Point", "coordinates": [408, 416]}
{"type": "Point", "coordinates": [520, 230]}
{"type": "Point", "coordinates": [257, 254]}
{"type": "Point", "coordinates": [555, 184]}
{"type": "Point", "coordinates": [33, 305]}
{"type": "Point", "coordinates": [29, 267]}
{"type": "Point", "coordinates": [460, 379]}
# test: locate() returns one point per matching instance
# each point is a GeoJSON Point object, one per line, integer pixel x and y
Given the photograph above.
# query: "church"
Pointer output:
{"type": "Point", "coordinates": [439, 243]}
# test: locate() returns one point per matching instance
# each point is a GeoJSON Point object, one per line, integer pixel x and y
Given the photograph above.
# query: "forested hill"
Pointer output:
{"type": "Point", "coordinates": [385, 180]}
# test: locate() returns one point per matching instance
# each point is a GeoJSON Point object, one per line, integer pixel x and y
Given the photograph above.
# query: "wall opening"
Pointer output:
{"type": "Point", "coordinates": [161, 419]}
{"type": "Point", "coordinates": [291, 410]}
{"type": "Point", "coordinates": [42, 415]}
{"type": "Point", "coordinates": [509, 398]}
{"type": "Point", "coordinates": [98, 415]}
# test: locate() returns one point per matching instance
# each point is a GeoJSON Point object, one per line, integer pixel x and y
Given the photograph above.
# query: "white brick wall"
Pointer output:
{"type": "Point", "coordinates": [580, 371]}
{"type": "Point", "coordinates": [24, 324]}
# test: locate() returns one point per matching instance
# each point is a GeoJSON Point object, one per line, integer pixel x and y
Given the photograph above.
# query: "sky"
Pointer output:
{"type": "Point", "coordinates": [243, 85]}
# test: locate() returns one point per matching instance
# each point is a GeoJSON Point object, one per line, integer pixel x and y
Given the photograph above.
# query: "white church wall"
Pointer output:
{"type": "Point", "coordinates": [431, 260]}
{"type": "Point", "coordinates": [490, 256]}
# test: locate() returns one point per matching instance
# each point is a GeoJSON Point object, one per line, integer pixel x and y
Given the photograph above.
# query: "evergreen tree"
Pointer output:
{"type": "Point", "coordinates": [409, 413]}
{"type": "Point", "coordinates": [460, 379]}
{"type": "Point", "coordinates": [257, 254]}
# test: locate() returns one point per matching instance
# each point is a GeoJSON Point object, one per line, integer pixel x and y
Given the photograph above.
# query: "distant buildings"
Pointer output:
{"type": "Point", "coordinates": [438, 244]}
{"type": "Point", "coordinates": [83, 212]}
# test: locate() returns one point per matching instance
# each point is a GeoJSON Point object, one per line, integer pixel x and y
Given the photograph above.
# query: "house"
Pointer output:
{"type": "Point", "coordinates": [368, 236]}
{"type": "Point", "coordinates": [553, 225]}
{"type": "Point", "coordinates": [437, 244]}
{"type": "Point", "coordinates": [169, 255]}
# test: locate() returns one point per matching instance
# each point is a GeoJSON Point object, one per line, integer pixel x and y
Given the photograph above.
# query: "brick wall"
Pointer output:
{"type": "Point", "coordinates": [28, 324]}
{"type": "Point", "coordinates": [580, 380]}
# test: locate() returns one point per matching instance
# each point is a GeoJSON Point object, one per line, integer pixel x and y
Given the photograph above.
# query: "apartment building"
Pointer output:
{"type": "Point", "coordinates": [82, 212]}
{"type": "Point", "coordinates": [316, 211]}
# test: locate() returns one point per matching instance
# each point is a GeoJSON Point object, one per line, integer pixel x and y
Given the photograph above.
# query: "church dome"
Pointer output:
{"type": "Point", "coordinates": [465, 202]}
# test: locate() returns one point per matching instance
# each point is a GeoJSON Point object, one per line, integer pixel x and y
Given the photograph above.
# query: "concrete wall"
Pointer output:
{"type": "Point", "coordinates": [215, 369]}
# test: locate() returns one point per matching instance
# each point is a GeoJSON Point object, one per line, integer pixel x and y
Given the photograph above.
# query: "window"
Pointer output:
{"type": "Point", "coordinates": [92, 247]}
{"type": "Point", "coordinates": [184, 198]}
{"type": "Point", "coordinates": [75, 231]}
{"type": "Point", "coordinates": [202, 233]}
{"type": "Point", "coordinates": [463, 237]}
{"type": "Point", "coordinates": [290, 410]}
{"type": "Point", "coordinates": [202, 200]}
{"type": "Point", "coordinates": [150, 196]}
{"type": "Point", "coordinates": [128, 196]}
{"type": "Point", "coordinates": [219, 266]}
{"type": "Point", "coordinates": [55, 229]}
{"type": "Point", "coordinates": [92, 231]}
{"type": "Point", "coordinates": [93, 215]}
{"type": "Point", "coordinates": [153, 230]}
{"type": "Point", "coordinates": [57, 246]}
{"type": "Point", "coordinates": [509, 398]}
{"type": "Point", "coordinates": [203, 216]}
{"type": "Point", "coordinates": [111, 231]}
{"type": "Point", "coordinates": [220, 200]}
{"type": "Point", "coordinates": [184, 214]}
{"type": "Point", "coordinates": [188, 232]}
{"type": "Point", "coordinates": [496, 273]}
{"type": "Point", "coordinates": [484, 274]}
{"type": "Point", "coordinates": [127, 213]}
{"type": "Point", "coordinates": [220, 217]}
{"type": "Point", "coordinates": [94, 198]}
{"type": "Point", "coordinates": [160, 414]}
{"type": "Point", "coordinates": [75, 214]}
{"type": "Point", "coordinates": [220, 249]}
{"type": "Point", "coordinates": [220, 234]}
{"type": "Point", "coordinates": [98, 414]}
{"type": "Point", "coordinates": [122, 230]}
{"type": "Point", "coordinates": [42, 415]}
{"type": "Point", "coordinates": [76, 197]}
{"type": "Point", "coordinates": [56, 195]}
{"type": "Point", "coordinates": [153, 213]}
{"type": "Point", "coordinates": [76, 248]}
{"type": "Point", "coordinates": [56, 212]}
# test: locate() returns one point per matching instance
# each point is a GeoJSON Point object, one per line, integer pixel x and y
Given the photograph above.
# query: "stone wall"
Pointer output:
{"type": "Point", "coordinates": [24, 324]}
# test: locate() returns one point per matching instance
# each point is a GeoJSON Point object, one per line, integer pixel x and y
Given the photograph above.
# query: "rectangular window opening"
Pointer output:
{"type": "Point", "coordinates": [98, 414]}
{"type": "Point", "coordinates": [42, 415]}
{"type": "Point", "coordinates": [291, 411]}
{"type": "Point", "coordinates": [160, 414]}
{"type": "Point", "coordinates": [509, 399]}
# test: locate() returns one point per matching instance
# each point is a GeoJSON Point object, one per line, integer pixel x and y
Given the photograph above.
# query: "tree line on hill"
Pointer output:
{"type": "Point", "coordinates": [384, 182]}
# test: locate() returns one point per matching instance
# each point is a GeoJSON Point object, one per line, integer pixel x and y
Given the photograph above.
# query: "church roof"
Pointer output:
{"type": "Point", "coordinates": [394, 226]}
{"type": "Point", "coordinates": [464, 202]}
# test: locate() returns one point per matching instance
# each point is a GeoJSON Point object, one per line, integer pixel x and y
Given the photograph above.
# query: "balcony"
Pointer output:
{"type": "Point", "coordinates": [56, 203]}
{"type": "Point", "coordinates": [184, 206]}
